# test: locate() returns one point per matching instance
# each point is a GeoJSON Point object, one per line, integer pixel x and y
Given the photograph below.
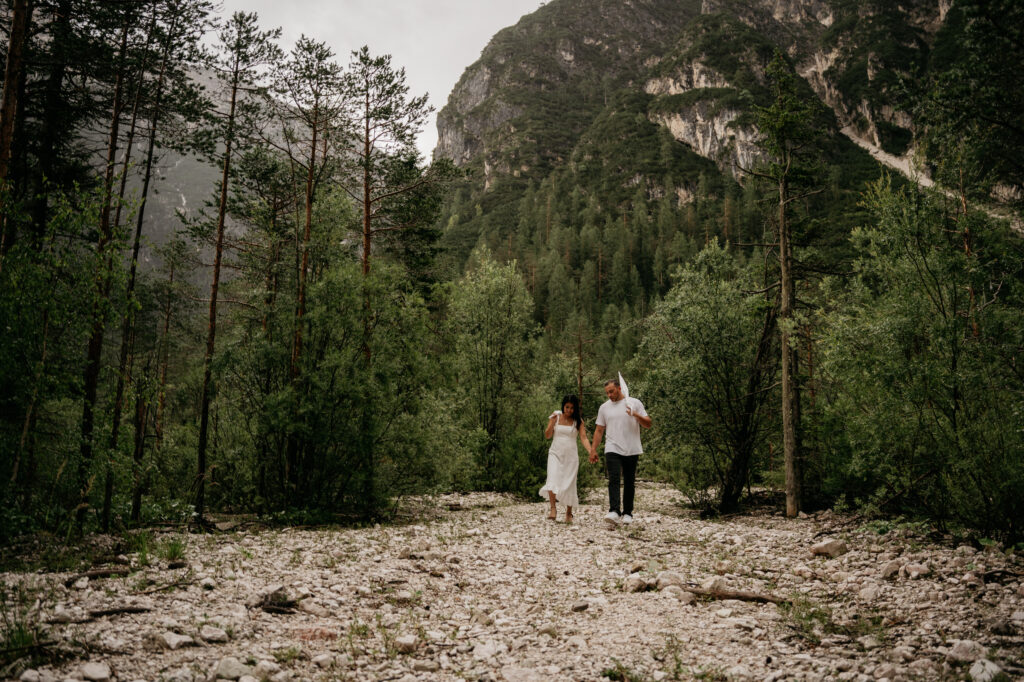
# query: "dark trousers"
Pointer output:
{"type": "Point", "coordinates": [627, 467]}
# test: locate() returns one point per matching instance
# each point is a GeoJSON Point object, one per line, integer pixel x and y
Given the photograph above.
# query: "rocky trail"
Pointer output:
{"type": "Point", "coordinates": [483, 587]}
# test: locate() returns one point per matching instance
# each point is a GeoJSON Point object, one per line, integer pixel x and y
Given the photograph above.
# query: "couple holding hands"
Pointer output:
{"type": "Point", "coordinates": [619, 420]}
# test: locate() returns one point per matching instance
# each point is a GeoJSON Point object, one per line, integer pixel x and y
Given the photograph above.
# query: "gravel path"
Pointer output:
{"type": "Point", "coordinates": [483, 587]}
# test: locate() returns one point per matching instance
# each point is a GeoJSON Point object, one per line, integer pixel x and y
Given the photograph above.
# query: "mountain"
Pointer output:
{"type": "Point", "coordinates": [619, 102]}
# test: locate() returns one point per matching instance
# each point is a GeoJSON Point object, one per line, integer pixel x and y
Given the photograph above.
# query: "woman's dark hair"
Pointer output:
{"type": "Point", "coordinates": [575, 402]}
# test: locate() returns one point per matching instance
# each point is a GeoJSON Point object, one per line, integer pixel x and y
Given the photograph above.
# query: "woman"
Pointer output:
{"type": "Point", "coordinates": [563, 459]}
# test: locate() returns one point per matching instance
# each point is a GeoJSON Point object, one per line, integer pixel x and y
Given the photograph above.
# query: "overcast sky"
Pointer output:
{"type": "Point", "coordinates": [435, 40]}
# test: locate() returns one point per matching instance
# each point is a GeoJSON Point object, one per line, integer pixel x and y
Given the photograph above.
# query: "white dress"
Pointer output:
{"type": "Point", "coordinates": [563, 465]}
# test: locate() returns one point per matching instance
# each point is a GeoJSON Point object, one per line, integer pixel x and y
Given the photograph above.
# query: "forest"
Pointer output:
{"type": "Point", "coordinates": [342, 324]}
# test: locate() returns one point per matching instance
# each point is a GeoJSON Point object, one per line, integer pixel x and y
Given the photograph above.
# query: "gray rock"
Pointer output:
{"type": "Point", "coordinates": [581, 605]}
{"type": "Point", "coordinates": [666, 578]}
{"type": "Point", "coordinates": [29, 675]}
{"type": "Point", "coordinates": [634, 583]}
{"type": "Point", "coordinates": [487, 650]}
{"type": "Point", "coordinates": [915, 571]}
{"type": "Point", "coordinates": [324, 660]}
{"type": "Point", "coordinates": [716, 584]}
{"type": "Point", "coordinates": [171, 640]}
{"type": "Point", "coordinates": [426, 666]}
{"type": "Point", "coordinates": [96, 672]}
{"type": "Point", "coordinates": [403, 597]}
{"type": "Point", "coordinates": [548, 629]}
{"type": "Point", "coordinates": [247, 678]}
{"type": "Point", "coordinates": [831, 548]}
{"type": "Point", "coordinates": [208, 583]}
{"type": "Point", "coordinates": [869, 642]}
{"type": "Point", "coordinates": [182, 674]}
{"type": "Point", "coordinates": [266, 668]}
{"type": "Point", "coordinates": [886, 670]}
{"type": "Point", "coordinates": [213, 635]}
{"type": "Point", "coordinates": [230, 668]}
{"type": "Point", "coordinates": [965, 651]}
{"type": "Point", "coordinates": [984, 670]}
{"type": "Point", "coordinates": [406, 643]}
{"type": "Point", "coordinates": [511, 673]}
{"type": "Point", "coordinates": [577, 642]}
{"type": "Point", "coordinates": [891, 569]}
{"type": "Point", "coordinates": [869, 593]}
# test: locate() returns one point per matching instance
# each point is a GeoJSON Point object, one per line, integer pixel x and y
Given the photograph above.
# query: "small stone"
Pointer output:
{"type": "Point", "coordinates": [248, 678]}
{"type": "Point", "coordinates": [637, 566]}
{"type": "Point", "coordinates": [96, 672]}
{"type": "Point", "coordinates": [313, 608]}
{"type": "Point", "coordinates": [869, 642]}
{"type": "Point", "coordinates": [265, 669]}
{"type": "Point", "coordinates": [511, 673]}
{"type": "Point", "coordinates": [81, 583]}
{"type": "Point", "coordinates": [182, 674]}
{"type": "Point", "coordinates": [716, 584]}
{"type": "Point", "coordinates": [891, 569]}
{"type": "Point", "coordinates": [831, 548]}
{"type": "Point", "coordinates": [634, 583]}
{"type": "Point", "coordinates": [581, 605]}
{"type": "Point", "coordinates": [214, 635]}
{"type": "Point", "coordinates": [171, 640]}
{"type": "Point", "coordinates": [364, 591]}
{"type": "Point", "coordinates": [406, 643]}
{"type": "Point", "coordinates": [965, 651]}
{"type": "Point", "coordinates": [886, 670]}
{"type": "Point", "coordinates": [723, 613]}
{"type": "Point", "coordinates": [426, 666]}
{"type": "Point", "coordinates": [403, 597]}
{"type": "Point", "coordinates": [666, 578]}
{"type": "Point", "coordinates": [984, 670]}
{"type": "Point", "coordinates": [208, 583]}
{"type": "Point", "coordinates": [230, 668]}
{"type": "Point", "coordinates": [324, 660]}
{"type": "Point", "coordinates": [577, 642]}
{"type": "Point", "coordinates": [869, 593]}
{"type": "Point", "coordinates": [915, 571]}
{"type": "Point", "coordinates": [548, 629]}
{"type": "Point", "coordinates": [487, 650]}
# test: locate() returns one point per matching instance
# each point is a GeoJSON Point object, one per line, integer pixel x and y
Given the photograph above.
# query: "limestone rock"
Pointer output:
{"type": "Point", "coordinates": [891, 569]}
{"type": "Point", "coordinates": [208, 583]}
{"type": "Point", "coordinates": [830, 548]}
{"type": "Point", "coordinates": [549, 629]}
{"type": "Point", "coordinates": [634, 583]}
{"type": "Point", "coordinates": [984, 670]}
{"type": "Point", "coordinates": [915, 571]}
{"type": "Point", "coordinates": [213, 635]}
{"type": "Point", "coordinates": [171, 640]}
{"type": "Point", "coordinates": [230, 668]}
{"type": "Point", "coordinates": [426, 666]}
{"type": "Point", "coordinates": [965, 651]}
{"type": "Point", "coordinates": [581, 605]}
{"type": "Point", "coordinates": [406, 643]}
{"type": "Point", "coordinates": [666, 578]}
{"type": "Point", "coordinates": [96, 672]}
{"type": "Point", "coordinates": [30, 675]}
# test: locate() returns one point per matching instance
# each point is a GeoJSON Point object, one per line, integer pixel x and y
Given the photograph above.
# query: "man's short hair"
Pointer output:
{"type": "Point", "coordinates": [613, 381]}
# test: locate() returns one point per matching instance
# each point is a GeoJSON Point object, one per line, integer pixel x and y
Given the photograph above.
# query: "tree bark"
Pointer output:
{"type": "Point", "coordinates": [211, 334]}
{"type": "Point", "coordinates": [21, 18]}
{"type": "Point", "coordinates": [790, 393]}
{"type": "Point", "coordinates": [94, 353]}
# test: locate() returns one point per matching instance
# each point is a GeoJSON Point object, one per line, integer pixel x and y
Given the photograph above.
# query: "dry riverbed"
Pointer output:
{"type": "Point", "coordinates": [483, 587]}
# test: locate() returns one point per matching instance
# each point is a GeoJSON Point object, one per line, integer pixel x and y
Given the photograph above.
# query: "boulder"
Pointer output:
{"type": "Point", "coordinates": [830, 548]}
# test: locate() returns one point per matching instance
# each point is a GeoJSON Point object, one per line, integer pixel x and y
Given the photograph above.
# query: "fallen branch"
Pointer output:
{"type": "Point", "coordinates": [26, 647]}
{"type": "Point", "coordinates": [739, 595]}
{"type": "Point", "coordinates": [1000, 575]}
{"type": "Point", "coordinates": [96, 573]}
{"type": "Point", "coordinates": [100, 613]}
{"type": "Point", "coordinates": [160, 588]}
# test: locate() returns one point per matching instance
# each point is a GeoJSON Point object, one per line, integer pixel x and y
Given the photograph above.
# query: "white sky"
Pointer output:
{"type": "Point", "coordinates": [435, 40]}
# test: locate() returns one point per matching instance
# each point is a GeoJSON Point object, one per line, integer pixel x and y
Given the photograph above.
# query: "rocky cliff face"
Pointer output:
{"type": "Point", "coordinates": [539, 86]}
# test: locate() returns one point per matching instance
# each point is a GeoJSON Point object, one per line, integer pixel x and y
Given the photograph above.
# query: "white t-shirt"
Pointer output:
{"type": "Point", "coordinates": [621, 431]}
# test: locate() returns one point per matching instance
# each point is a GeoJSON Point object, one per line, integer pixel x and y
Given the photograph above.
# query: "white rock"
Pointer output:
{"type": "Point", "coordinates": [831, 548]}
{"type": "Point", "coordinates": [984, 670]}
{"type": "Point", "coordinates": [576, 642]}
{"type": "Point", "coordinates": [511, 673]}
{"type": "Point", "coordinates": [266, 668]}
{"type": "Point", "coordinates": [869, 593]}
{"type": "Point", "coordinates": [212, 634]}
{"type": "Point", "coordinates": [965, 651]}
{"type": "Point", "coordinates": [487, 650]}
{"type": "Point", "coordinates": [230, 668]}
{"type": "Point", "coordinates": [182, 674]}
{"type": "Point", "coordinates": [30, 675]}
{"type": "Point", "coordinates": [248, 678]}
{"type": "Point", "coordinates": [869, 642]}
{"type": "Point", "coordinates": [634, 583]}
{"type": "Point", "coordinates": [96, 672]}
{"type": "Point", "coordinates": [716, 584]}
{"type": "Point", "coordinates": [915, 571]}
{"type": "Point", "coordinates": [666, 578]}
{"type": "Point", "coordinates": [324, 660]}
{"type": "Point", "coordinates": [890, 569]}
{"type": "Point", "coordinates": [81, 583]}
{"type": "Point", "coordinates": [171, 640]}
{"type": "Point", "coordinates": [208, 583]}
{"type": "Point", "coordinates": [406, 643]}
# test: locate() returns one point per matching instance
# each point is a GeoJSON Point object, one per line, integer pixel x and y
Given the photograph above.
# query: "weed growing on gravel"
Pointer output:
{"type": "Point", "coordinates": [811, 622]}
{"type": "Point", "coordinates": [287, 655]}
{"type": "Point", "coordinates": [711, 674]}
{"type": "Point", "coordinates": [141, 544]}
{"type": "Point", "coordinates": [171, 549]}
{"type": "Point", "coordinates": [621, 673]}
{"type": "Point", "coordinates": [22, 638]}
{"type": "Point", "coordinates": [671, 654]}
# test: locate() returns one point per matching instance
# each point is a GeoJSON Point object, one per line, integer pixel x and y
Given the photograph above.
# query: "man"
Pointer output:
{"type": "Point", "coordinates": [622, 421]}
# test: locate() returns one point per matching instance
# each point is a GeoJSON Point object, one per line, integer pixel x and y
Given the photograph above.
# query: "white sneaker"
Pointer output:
{"type": "Point", "coordinates": [626, 519]}
{"type": "Point", "coordinates": [612, 518]}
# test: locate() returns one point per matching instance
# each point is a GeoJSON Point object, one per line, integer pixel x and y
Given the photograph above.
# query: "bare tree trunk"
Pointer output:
{"type": "Point", "coordinates": [790, 393]}
{"type": "Point", "coordinates": [21, 18]}
{"type": "Point", "coordinates": [161, 401]}
{"type": "Point", "coordinates": [94, 354]}
{"type": "Point", "coordinates": [141, 417]}
{"type": "Point", "coordinates": [211, 334]}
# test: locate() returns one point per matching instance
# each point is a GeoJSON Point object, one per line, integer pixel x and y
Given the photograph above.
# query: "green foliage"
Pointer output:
{"type": "Point", "coordinates": [706, 360]}
{"type": "Point", "coordinates": [925, 407]}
